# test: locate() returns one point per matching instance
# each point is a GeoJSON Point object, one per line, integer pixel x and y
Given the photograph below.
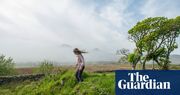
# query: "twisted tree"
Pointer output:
{"type": "Point", "coordinates": [155, 39]}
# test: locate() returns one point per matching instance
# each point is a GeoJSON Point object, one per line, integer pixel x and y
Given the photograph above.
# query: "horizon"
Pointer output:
{"type": "Point", "coordinates": [174, 58]}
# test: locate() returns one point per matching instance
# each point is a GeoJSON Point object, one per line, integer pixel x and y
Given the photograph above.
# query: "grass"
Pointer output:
{"type": "Point", "coordinates": [64, 83]}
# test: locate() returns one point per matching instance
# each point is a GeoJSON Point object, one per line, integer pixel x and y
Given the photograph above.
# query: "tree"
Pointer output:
{"type": "Point", "coordinates": [127, 57]}
{"type": "Point", "coordinates": [134, 58]}
{"type": "Point", "coordinates": [6, 66]}
{"type": "Point", "coordinates": [155, 39]}
{"type": "Point", "coordinates": [172, 31]}
{"type": "Point", "coordinates": [124, 55]}
{"type": "Point", "coordinates": [123, 60]}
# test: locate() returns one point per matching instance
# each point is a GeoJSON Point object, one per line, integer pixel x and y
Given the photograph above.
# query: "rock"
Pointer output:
{"type": "Point", "coordinates": [19, 78]}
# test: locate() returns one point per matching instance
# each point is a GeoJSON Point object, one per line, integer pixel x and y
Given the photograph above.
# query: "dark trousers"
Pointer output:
{"type": "Point", "coordinates": [79, 74]}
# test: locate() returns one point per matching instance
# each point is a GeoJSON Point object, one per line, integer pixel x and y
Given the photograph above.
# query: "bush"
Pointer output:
{"type": "Point", "coordinates": [6, 66]}
{"type": "Point", "coordinates": [46, 67]}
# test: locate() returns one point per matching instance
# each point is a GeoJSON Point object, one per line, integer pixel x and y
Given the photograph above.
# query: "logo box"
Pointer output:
{"type": "Point", "coordinates": [147, 82]}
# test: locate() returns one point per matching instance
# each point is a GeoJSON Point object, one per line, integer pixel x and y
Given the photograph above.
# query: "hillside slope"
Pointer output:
{"type": "Point", "coordinates": [65, 84]}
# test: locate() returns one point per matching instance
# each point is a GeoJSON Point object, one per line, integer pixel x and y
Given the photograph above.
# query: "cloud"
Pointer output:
{"type": "Point", "coordinates": [167, 8]}
{"type": "Point", "coordinates": [41, 29]}
{"type": "Point", "coordinates": [38, 27]}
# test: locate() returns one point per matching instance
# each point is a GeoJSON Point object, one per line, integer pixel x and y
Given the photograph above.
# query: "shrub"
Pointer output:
{"type": "Point", "coordinates": [6, 66]}
{"type": "Point", "coordinates": [46, 67]}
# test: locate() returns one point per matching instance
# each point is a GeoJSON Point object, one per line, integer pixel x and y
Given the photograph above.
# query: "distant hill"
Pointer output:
{"type": "Point", "coordinates": [175, 59]}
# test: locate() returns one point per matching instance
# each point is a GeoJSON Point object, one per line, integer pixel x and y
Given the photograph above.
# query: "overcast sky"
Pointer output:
{"type": "Point", "coordinates": [34, 30]}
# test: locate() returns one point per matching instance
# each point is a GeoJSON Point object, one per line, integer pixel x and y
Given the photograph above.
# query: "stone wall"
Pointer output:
{"type": "Point", "coordinates": [19, 78]}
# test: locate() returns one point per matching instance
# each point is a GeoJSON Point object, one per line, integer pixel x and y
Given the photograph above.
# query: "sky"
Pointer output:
{"type": "Point", "coordinates": [36, 30]}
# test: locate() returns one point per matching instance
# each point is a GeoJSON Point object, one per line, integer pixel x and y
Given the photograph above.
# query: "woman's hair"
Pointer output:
{"type": "Point", "coordinates": [77, 51]}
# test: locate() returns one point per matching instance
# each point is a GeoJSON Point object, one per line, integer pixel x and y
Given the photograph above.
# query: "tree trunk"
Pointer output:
{"type": "Point", "coordinates": [159, 64]}
{"type": "Point", "coordinates": [133, 66]}
{"type": "Point", "coordinates": [144, 64]}
{"type": "Point", "coordinates": [166, 64]}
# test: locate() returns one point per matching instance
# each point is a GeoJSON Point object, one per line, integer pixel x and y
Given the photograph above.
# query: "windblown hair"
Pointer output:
{"type": "Point", "coordinates": [77, 51]}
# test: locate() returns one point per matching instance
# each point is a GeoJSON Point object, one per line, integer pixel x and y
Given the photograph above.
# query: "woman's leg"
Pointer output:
{"type": "Point", "coordinates": [80, 75]}
{"type": "Point", "coordinates": [77, 75]}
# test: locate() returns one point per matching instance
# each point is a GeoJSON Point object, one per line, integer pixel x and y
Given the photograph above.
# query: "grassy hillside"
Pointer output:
{"type": "Point", "coordinates": [64, 83]}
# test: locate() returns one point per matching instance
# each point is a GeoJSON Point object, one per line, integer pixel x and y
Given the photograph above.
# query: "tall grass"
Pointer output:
{"type": "Point", "coordinates": [64, 83]}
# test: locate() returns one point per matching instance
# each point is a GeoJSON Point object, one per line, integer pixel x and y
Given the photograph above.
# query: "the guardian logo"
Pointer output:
{"type": "Point", "coordinates": [138, 81]}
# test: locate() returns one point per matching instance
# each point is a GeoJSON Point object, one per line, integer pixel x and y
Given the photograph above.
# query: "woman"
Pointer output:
{"type": "Point", "coordinates": [80, 64]}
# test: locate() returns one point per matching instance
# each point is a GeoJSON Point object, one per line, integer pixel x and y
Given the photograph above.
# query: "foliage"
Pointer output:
{"type": "Point", "coordinates": [155, 39]}
{"type": "Point", "coordinates": [6, 66]}
{"type": "Point", "coordinates": [46, 67]}
{"type": "Point", "coordinates": [133, 58]}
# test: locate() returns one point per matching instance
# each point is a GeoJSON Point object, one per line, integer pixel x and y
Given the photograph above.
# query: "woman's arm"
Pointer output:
{"type": "Point", "coordinates": [78, 60]}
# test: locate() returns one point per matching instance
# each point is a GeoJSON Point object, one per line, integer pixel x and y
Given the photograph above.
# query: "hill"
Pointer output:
{"type": "Point", "coordinates": [64, 83]}
{"type": "Point", "coordinates": [175, 59]}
